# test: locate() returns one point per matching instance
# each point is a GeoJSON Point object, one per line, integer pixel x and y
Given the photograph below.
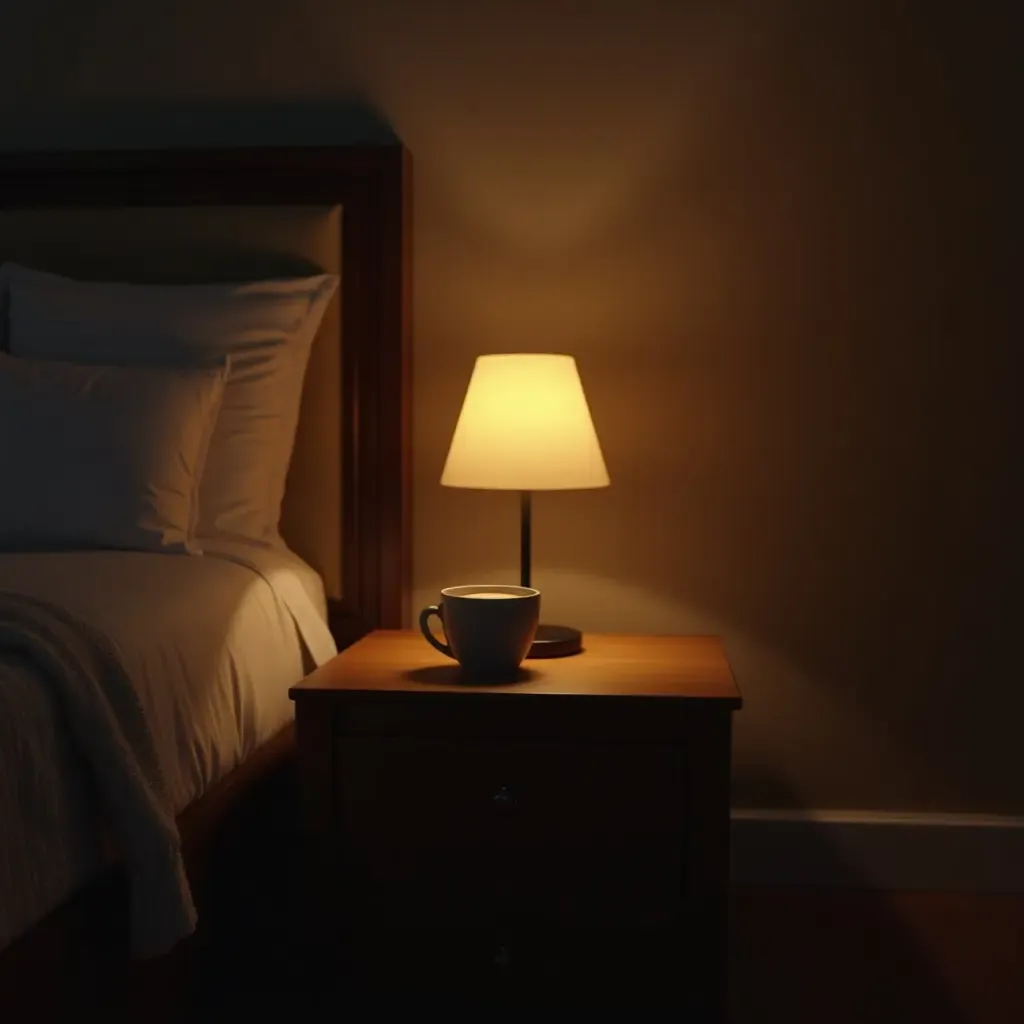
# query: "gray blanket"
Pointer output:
{"type": "Point", "coordinates": [84, 677]}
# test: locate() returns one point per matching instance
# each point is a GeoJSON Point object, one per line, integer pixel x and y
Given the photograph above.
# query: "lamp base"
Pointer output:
{"type": "Point", "coordinates": [555, 642]}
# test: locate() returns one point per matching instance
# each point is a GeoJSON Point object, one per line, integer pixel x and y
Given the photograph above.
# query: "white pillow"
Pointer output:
{"type": "Point", "coordinates": [263, 329]}
{"type": "Point", "coordinates": [102, 457]}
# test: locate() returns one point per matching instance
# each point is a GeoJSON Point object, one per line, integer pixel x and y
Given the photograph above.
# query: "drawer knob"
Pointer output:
{"type": "Point", "coordinates": [503, 956]}
{"type": "Point", "coordinates": [503, 797]}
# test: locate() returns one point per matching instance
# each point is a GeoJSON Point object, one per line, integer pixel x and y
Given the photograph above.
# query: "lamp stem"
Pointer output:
{"type": "Point", "coordinates": [525, 537]}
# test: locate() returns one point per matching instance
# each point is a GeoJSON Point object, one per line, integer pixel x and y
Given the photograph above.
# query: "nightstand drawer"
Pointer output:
{"type": "Point", "coordinates": [565, 968]}
{"type": "Point", "coordinates": [475, 829]}
{"type": "Point", "coordinates": [606, 968]}
{"type": "Point", "coordinates": [414, 818]}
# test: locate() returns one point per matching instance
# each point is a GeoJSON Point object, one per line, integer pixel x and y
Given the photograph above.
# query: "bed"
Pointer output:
{"type": "Point", "coordinates": [220, 676]}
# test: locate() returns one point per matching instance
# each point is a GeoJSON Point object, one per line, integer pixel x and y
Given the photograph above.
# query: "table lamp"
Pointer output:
{"type": "Point", "coordinates": [525, 426]}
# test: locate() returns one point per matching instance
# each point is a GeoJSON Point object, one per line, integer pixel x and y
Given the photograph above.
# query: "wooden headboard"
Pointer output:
{"type": "Point", "coordinates": [371, 184]}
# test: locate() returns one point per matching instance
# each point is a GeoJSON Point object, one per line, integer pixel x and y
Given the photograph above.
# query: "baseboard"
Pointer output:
{"type": "Point", "coordinates": [979, 853]}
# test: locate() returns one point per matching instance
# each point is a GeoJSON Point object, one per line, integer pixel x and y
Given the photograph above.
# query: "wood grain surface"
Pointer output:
{"type": "Point", "coordinates": [690, 667]}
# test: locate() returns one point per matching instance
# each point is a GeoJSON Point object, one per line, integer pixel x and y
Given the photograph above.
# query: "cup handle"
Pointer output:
{"type": "Point", "coordinates": [428, 633]}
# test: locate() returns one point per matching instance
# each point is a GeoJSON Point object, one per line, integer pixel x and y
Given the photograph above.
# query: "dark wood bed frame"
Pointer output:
{"type": "Point", "coordinates": [75, 960]}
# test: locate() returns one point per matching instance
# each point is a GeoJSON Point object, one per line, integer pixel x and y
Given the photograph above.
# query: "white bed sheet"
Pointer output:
{"type": "Point", "coordinates": [212, 644]}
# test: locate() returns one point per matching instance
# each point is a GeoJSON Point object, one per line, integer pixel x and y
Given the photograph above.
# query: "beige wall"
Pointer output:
{"type": "Point", "coordinates": [776, 236]}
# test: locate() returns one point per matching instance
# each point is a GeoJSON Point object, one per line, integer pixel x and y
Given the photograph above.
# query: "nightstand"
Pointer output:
{"type": "Point", "coordinates": [561, 840]}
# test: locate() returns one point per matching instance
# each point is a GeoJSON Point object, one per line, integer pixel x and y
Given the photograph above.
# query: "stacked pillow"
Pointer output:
{"type": "Point", "coordinates": [103, 457]}
{"type": "Point", "coordinates": [176, 404]}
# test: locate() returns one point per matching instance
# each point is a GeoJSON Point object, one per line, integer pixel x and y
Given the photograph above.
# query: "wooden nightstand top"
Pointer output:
{"type": "Point", "coordinates": [692, 668]}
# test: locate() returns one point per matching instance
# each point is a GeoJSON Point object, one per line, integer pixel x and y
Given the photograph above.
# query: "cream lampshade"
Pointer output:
{"type": "Point", "coordinates": [525, 426]}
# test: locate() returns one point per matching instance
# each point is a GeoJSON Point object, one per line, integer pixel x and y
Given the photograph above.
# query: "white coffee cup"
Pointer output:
{"type": "Point", "coordinates": [488, 627]}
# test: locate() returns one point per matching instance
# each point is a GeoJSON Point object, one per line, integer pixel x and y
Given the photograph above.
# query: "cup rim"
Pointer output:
{"type": "Point", "coordinates": [489, 588]}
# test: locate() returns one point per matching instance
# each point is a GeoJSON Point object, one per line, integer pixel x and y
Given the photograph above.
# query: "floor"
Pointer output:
{"type": "Point", "coordinates": [799, 955]}
{"type": "Point", "coordinates": [856, 956]}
